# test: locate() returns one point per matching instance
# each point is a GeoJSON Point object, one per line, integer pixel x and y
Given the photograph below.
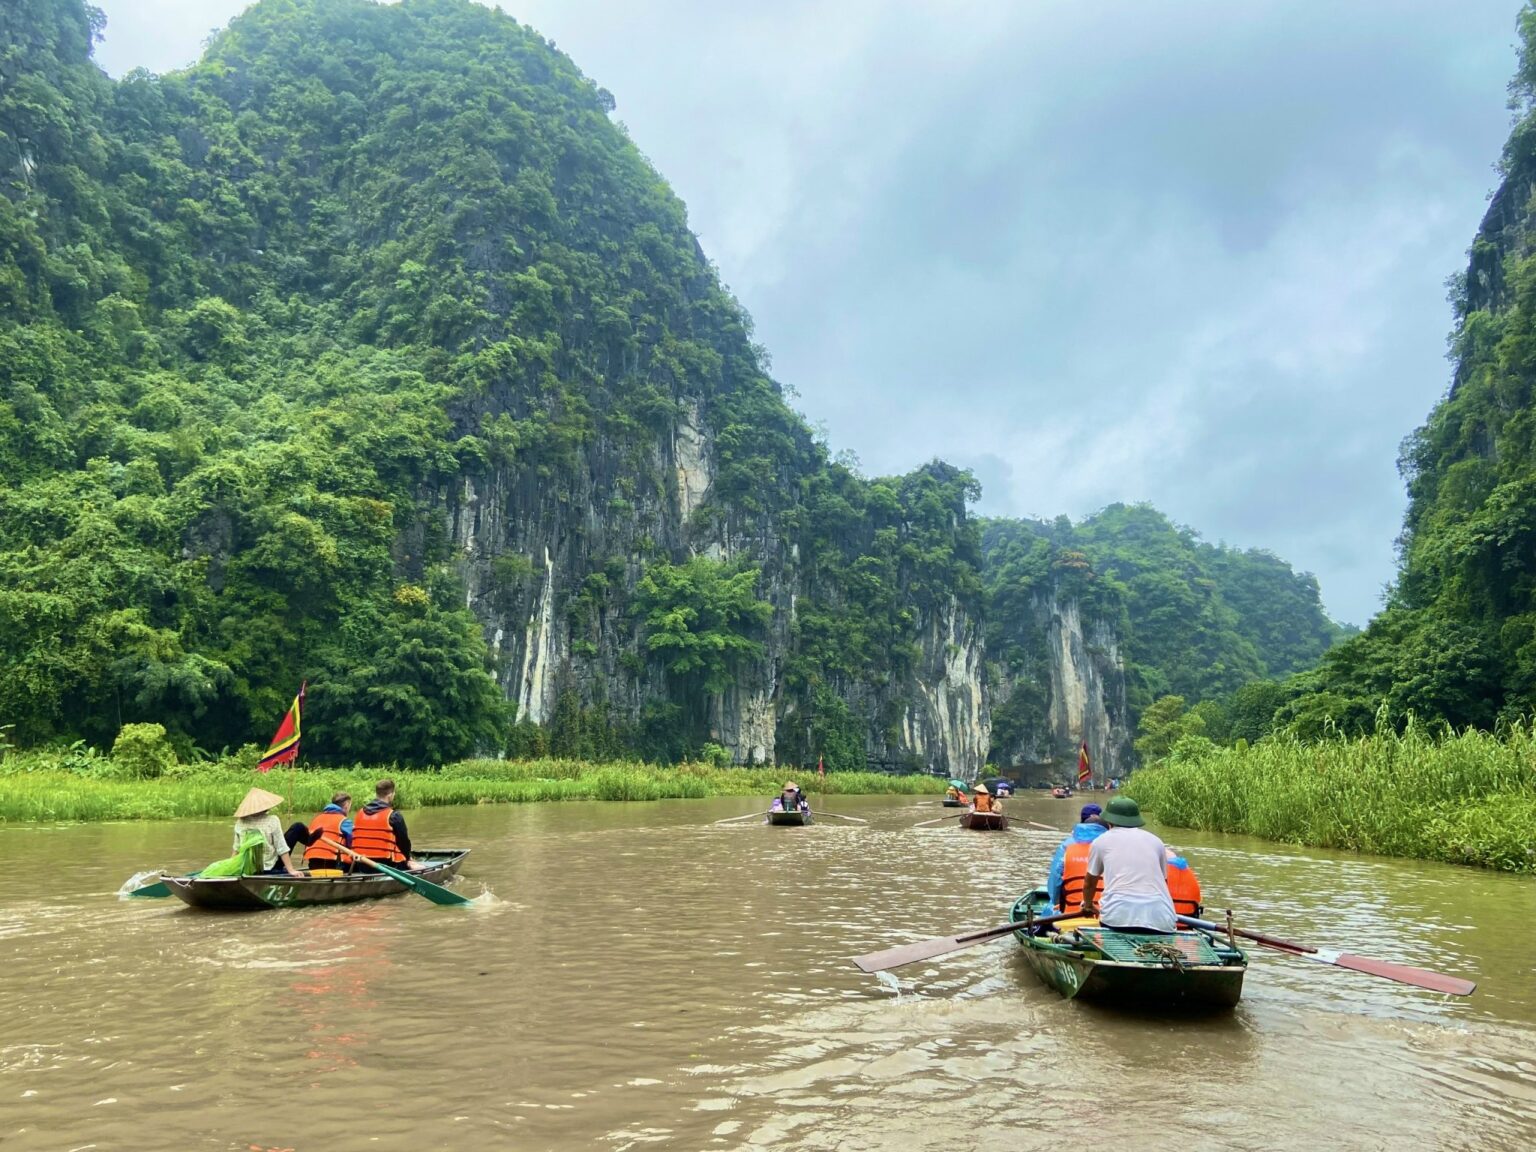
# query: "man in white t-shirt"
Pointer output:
{"type": "Point", "coordinates": [1133, 864]}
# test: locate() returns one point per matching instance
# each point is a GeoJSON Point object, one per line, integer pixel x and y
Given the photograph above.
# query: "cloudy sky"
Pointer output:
{"type": "Point", "coordinates": [1189, 252]}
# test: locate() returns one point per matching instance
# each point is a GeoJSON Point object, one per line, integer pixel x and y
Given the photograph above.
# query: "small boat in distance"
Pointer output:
{"type": "Point", "coordinates": [984, 821]}
{"type": "Point", "coordinates": [1084, 961]}
{"type": "Point", "coordinates": [957, 795]}
{"type": "Point", "coordinates": [254, 893]}
{"type": "Point", "coordinates": [1061, 793]}
{"type": "Point", "coordinates": [798, 818]}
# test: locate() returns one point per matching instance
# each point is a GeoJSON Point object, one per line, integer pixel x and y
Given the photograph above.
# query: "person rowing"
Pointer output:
{"type": "Point", "coordinates": [255, 815]}
{"type": "Point", "coordinates": [1132, 863]}
{"type": "Point", "coordinates": [982, 801]}
{"type": "Point", "coordinates": [379, 832]}
{"type": "Point", "coordinates": [790, 800]}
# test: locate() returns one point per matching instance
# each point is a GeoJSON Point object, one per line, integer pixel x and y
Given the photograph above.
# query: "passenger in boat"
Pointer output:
{"type": "Point", "coordinates": [790, 800]}
{"type": "Point", "coordinates": [953, 793]}
{"type": "Point", "coordinates": [255, 814]}
{"type": "Point", "coordinates": [1183, 884]}
{"type": "Point", "coordinates": [378, 831]}
{"type": "Point", "coordinates": [982, 801]}
{"type": "Point", "coordinates": [333, 822]}
{"type": "Point", "coordinates": [1070, 863]}
{"type": "Point", "coordinates": [1132, 863]}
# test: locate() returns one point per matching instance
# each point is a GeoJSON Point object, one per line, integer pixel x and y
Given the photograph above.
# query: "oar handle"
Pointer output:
{"type": "Point", "coordinates": [1256, 937]}
{"type": "Point", "coordinates": [355, 855]}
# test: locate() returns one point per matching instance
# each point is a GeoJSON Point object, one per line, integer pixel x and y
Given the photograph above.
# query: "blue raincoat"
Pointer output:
{"type": "Point", "coordinates": [1082, 834]}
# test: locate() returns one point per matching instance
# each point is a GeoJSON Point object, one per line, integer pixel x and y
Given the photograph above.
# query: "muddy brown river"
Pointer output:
{"type": "Point", "coordinates": [646, 979]}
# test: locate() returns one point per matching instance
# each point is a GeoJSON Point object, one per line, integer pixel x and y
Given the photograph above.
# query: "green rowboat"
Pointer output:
{"type": "Point", "coordinates": [1082, 961]}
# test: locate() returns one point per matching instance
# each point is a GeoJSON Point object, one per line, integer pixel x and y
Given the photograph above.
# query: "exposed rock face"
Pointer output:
{"type": "Point", "coordinates": [1068, 686]}
{"type": "Point", "coordinates": [530, 554]}
{"type": "Point", "coordinates": [1087, 698]}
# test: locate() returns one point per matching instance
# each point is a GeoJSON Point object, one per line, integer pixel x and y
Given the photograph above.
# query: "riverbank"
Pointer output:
{"type": "Point", "coordinates": [36, 789]}
{"type": "Point", "coordinates": [1464, 799]}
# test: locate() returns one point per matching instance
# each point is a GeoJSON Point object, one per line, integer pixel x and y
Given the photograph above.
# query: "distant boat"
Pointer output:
{"type": "Point", "coordinates": [796, 819]}
{"type": "Point", "coordinates": [984, 821]}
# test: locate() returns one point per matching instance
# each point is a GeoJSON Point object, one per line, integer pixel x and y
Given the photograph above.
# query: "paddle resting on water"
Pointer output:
{"type": "Point", "coordinates": [433, 892]}
{"type": "Point", "coordinates": [943, 945]}
{"type": "Point", "coordinates": [1402, 973]}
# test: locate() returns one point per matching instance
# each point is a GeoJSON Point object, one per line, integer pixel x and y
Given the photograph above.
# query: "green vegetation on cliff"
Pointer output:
{"type": "Point", "coordinates": [264, 322]}
{"type": "Point", "coordinates": [1190, 618]}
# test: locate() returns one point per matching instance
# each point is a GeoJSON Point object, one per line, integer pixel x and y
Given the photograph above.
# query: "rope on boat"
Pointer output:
{"type": "Point", "coordinates": [1167, 955]}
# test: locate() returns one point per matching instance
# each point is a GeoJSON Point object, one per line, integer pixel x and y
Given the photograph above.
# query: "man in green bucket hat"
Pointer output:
{"type": "Point", "coordinates": [1132, 863]}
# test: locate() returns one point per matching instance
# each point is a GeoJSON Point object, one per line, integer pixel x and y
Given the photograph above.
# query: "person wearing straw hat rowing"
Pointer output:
{"type": "Point", "coordinates": [790, 800]}
{"type": "Point", "coordinates": [255, 814]}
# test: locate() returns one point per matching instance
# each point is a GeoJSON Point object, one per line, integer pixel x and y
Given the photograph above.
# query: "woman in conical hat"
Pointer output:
{"type": "Point", "coordinates": [255, 815]}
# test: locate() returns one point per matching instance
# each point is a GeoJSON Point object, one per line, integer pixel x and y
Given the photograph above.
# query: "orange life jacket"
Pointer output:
{"type": "Point", "coordinates": [374, 838]}
{"type": "Point", "coordinates": [318, 855]}
{"type": "Point", "coordinates": [1184, 887]}
{"type": "Point", "coordinates": [1074, 871]}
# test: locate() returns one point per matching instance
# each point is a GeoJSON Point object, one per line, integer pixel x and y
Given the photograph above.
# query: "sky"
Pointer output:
{"type": "Point", "coordinates": [1189, 252]}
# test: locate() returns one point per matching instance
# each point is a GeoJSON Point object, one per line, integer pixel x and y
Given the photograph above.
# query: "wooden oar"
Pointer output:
{"type": "Point", "coordinates": [155, 889]}
{"type": "Point", "coordinates": [1042, 827]}
{"type": "Point", "coordinates": [433, 892]}
{"type": "Point", "coordinates": [748, 816]}
{"type": "Point", "coordinates": [835, 816]}
{"type": "Point", "coordinates": [941, 819]}
{"type": "Point", "coordinates": [1402, 973]}
{"type": "Point", "coordinates": [943, 945]}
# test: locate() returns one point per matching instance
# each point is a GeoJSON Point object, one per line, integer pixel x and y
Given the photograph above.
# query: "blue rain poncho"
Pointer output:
{"type": "Point", "coordinates": [1082, 834]}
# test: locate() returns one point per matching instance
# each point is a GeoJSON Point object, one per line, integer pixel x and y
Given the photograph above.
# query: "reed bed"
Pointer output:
{"type": "Point", "coordinates": [1465, 798]}
{"type": "Point", "coordinates": [34, 788]}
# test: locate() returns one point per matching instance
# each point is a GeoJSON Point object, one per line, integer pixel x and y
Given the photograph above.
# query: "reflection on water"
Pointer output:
{"type": "Point", "coordinates": [643, 978]}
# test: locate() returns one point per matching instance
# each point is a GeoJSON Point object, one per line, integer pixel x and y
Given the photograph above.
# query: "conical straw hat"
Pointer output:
{"type": "Point", "coordinates": [256, 801]}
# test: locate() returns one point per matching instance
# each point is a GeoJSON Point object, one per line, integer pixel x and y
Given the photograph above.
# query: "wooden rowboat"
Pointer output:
{"type": "Point", "coordinates": [948, 803]}
{"type": "Point", "coordinates": [790, 819]}
{"type": "Point", "coordinates": [1083, 961]}
{"type": "Point", "coordinates": [1061, 793]}
{"type": "Point", "coordinates": [253, 893]}
{"type": "Point", "coordinates": [984, 821]}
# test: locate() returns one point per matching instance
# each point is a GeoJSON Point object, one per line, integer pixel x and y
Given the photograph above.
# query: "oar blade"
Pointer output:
{"type": "Point", "coordinates": [1402, 973]}
{"type": "Point", "coordinates": [927, 949]}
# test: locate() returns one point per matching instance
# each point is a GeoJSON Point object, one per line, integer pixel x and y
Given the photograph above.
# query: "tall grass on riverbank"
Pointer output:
{"type": "Point", "coordinates": [35, 788]}
{"type": "Point", "coordinates": [1468, 798]}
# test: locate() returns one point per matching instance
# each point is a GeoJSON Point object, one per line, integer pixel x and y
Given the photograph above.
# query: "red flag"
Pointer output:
{"type": "Point", "coordinates": [1084, 771]}
{"type": "Point", "coordinates": [821, 768]}
{"type": "Point", "coordinates": [284, 748]}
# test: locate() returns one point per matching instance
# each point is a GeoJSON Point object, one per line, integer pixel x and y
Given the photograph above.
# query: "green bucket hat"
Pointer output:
{"type": "Point", "coordinates": [1122, 812]}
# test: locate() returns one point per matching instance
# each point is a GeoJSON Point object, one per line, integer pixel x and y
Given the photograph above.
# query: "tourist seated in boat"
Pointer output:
{"type": "Point", "coordinates": [982, 801]}
{"type": "Point", "coordinates": [1133, 864]}
{"type": "Point", "coordinates": [1069, 865]}
{"type": "Point", "coordinates": [790, 800]}
{"type": "Point", "coordinates": [1183, 884]}
{"type": "Point", "coordinates": [255, 814]}
{"type": "Point", "coordinates": [379, 832]}
{"type": "Point", "coordinates": [333, 822]}
{"type": "Point", "coordinates": [955, 792]}
{"type": "Point", "coordinates": [1003, 788]}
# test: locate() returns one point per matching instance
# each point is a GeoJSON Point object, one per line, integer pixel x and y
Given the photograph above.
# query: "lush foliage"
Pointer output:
{"type": "Point", "coordinates": [81, 785]}
{"type": "Point", "coordinates": [1467, 798]}
{"type": "Point", "coordinates": [258, 318]}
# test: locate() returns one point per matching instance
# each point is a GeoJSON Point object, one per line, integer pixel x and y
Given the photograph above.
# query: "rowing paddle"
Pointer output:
{"type": "Point", "coordinates": [433, 892]}
{"type": "Point", "coordinates": [733, 819]}
{"type": "Point", "coordinates": [941, 819]}
{"type": "Point", "coordinates": [943, 945]}
{"type": "Point", "coordinates": [835, 816]}
{"type": "Point", "coordinates": [1402, 973]}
